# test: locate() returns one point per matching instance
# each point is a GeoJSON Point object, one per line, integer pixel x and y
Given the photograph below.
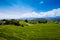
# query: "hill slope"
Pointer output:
{"type": "Point", "coordinates": [48, 31]}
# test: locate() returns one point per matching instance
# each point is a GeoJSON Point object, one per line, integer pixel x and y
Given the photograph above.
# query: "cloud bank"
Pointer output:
{"type": "Point", "coordinates": [31, 14]}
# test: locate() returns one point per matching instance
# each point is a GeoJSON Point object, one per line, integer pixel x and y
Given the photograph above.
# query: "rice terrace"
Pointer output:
{"type": "Point", "coordinates": [29, 19]}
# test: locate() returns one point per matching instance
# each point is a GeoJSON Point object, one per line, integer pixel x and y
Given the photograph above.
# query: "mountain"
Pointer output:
{"type": "Point", "coordinates": [45, 18]}
{"type": "Point", "coordinates": [53, 18]}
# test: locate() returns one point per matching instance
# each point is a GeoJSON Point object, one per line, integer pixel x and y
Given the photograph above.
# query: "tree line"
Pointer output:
{"type": "Point", "coordinates": [16, 22]}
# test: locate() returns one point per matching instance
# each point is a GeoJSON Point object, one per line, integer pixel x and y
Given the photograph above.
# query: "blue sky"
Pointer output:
{"type": "Point", "coordinates": [29, 8]}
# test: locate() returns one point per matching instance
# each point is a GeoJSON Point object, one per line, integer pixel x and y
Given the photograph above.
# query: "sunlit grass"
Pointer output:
{"type": "Point", "coordinates": [47, 31]}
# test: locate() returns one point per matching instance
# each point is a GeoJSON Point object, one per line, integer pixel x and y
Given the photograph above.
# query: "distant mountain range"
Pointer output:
{"type": "Point", "coordinates": [53, 18]}
{"type": "Point", "coordinates": [45, 18]}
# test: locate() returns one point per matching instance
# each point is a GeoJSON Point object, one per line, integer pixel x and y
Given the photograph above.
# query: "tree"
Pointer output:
{"type": "Point", "coordinates": [16, 23]}
{"type": "Point", "coordinates": [43, 21]}
{"type": "Point", "coordinates": [26, 21]}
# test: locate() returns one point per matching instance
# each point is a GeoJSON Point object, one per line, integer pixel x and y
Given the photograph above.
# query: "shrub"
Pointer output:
{"type": "Point", "coordinates": [26, 21]}
{"type": "Point", "coordinates": [16, 23]}
{"type": "Point", "coordinates": [22, 25]}
{"type": "Point", "coordinates": [45, 21]}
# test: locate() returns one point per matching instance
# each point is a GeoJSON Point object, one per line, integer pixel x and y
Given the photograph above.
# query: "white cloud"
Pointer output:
{"type": "Point", "coordinates": [52, 13]}
{"type": "Point", "coordinates": [8, 16]}
{"type": "Point", "coordinates": [41, 2]}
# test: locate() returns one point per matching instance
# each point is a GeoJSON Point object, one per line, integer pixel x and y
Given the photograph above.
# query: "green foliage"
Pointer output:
{"type": "Point", "coordinates": [26, 21]}
{"type": "Point", "coordinates": [42, 21]}
{"type": "Point", "coordinates": [9, 22]}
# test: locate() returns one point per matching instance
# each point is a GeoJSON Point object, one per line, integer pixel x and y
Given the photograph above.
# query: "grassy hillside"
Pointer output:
{"type": "Point", "coordinates": [47, 31]}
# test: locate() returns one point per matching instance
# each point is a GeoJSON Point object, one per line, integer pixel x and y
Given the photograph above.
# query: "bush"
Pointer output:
{"type": "Point", "coordinates": [11, 22]}
{"type": "Point", "coordinates": [45, 21]}
{"type": "Point", "coordinates": [22, 25]}
{"type": "Point", "coordinates": [16, 23]}
{"type": "Point", "coordinates": [26, 21]}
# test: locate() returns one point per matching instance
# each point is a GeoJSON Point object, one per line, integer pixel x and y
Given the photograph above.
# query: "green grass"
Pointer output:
{"type": "Point", "coordinates": [47, 31]}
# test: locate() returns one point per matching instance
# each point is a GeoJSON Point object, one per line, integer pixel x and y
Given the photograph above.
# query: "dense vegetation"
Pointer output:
{"type": "Point", "coordinates": [29, 30]}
